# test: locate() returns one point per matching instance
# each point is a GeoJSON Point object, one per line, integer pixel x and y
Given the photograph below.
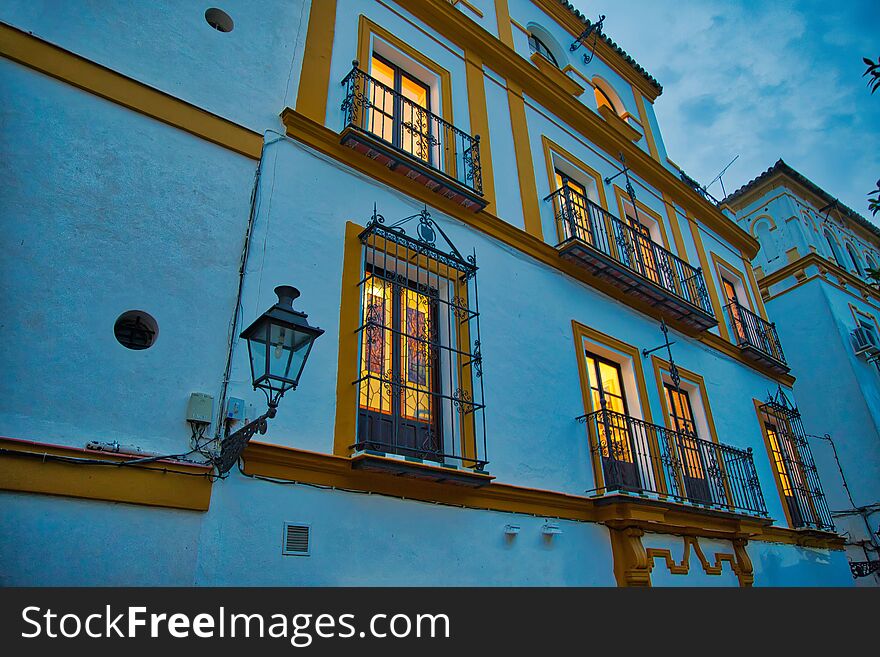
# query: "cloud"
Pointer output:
{"type": "Point", "coordinates": [763, 81]}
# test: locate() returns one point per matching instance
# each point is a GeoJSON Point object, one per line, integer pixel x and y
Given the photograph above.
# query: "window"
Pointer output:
{"type": "Point", "coordinates": [538, 46]}
{"type": "Point", "coordinates": [577, 207]}
{"type": "Point", "coordinates": [400, 109]}
{"type": "Point", "coordinates": [734, 309]}
{"type": "Point", "coordinates": [855, 259]}
{"type": "Point", "coordinates": [615, 440]}
{"type": "Point", "coordinates": [872, 265]}
{"type": "Point", "coordinates": [603, 99]}
{"type": "Point", "coordinates": [420, 385]}
{"type": "Point", "coordinates": [635, 240]}
{"type": "Point", "coordinates": [793, 465]}
{"type": "Point", "coordinates": [832, 246]}
{"type": "Point", "coordinates": [693, 466]}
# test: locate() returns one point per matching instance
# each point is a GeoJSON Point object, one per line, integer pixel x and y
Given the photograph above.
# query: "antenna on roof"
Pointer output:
{"type": "Point", "coordinates": [592, 28]}
{"type": "Point", "coordinates": [828, 208]}
{"type": "Point", "coordinates": [720, 179]}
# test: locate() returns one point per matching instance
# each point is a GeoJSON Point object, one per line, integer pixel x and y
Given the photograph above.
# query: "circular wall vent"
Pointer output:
{"type": "Point", "coordinates": [219, 20]}
{"type": "Point", "coordinates": [135, 329]}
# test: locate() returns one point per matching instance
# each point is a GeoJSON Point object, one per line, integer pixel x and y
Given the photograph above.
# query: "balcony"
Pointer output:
{"type": "Point", "coordinates": [618, 253]}
{"type": "Point", "coordinates": [756, 337]}
{"type": "Point", "coordinates": [647, 459]}
{"type": "Point", "coordinates": [391, 129]}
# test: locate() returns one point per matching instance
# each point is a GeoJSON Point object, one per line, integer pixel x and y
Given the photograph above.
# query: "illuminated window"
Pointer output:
{"type": "Point", "coordinates": [420, 384]}
{"type": "Point", "coordinates": [731, 299]}
{"type": "Point", "coordinates": [577, 208]}
{"type": "Point", "coordinates": [691, 451]}
{"type": "Point", "coordinates": [636, 246]}
{"type": "Point", "coordinates": [603, 99]}
{"type": "Point", "coordinates": [793, 465]}
{"type": "Point", "coordinates": [538, 46]}
{"type": "Point", "coordinates": [400, 109]}
{"type": "Point", "coordinates": [615, 440]}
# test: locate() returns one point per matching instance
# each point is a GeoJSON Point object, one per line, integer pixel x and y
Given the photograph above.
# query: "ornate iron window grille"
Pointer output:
{"type": "Point", "coordinates": [420, 389]}
{"type": "Point", "coordinates": [581, 219]}
{"type": "Point", "coordinates": [641, 457]}
{"type": "Point", "coordinates": [748, 329]}
{"type": "Point", "coordinates": [375, 108]}
{"type": "Point", "coordinates": [793, 461]}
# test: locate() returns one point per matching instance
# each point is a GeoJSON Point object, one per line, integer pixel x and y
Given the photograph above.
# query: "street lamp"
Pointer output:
{"type": "Point", "coordinates": [279, 343]}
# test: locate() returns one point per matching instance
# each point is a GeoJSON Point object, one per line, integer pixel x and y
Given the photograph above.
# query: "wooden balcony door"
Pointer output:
{"type": "Point", "coordinates": [615, 439]}
{"type": "Point", "coordinates": [575, 208]}
{"type": "Point", "coordinates": [401, 110]}
{"type": "Point", "coordinates": [400, 392]}
{"type": "Point", "coordinates": [736, 318]}
{"type": "Point", "coordinates": [693, 462]}
{"type": "Point", "coordinates": [643, 249]}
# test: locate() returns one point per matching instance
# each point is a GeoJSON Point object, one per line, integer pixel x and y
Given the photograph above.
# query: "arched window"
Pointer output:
{"type": "Point", "coordinates": [833, 248]}
{"type": "Point", "coordinates": [538, 46]}
{"type": "Point", "coordinates": [872, 264]}
{"type": "Point", "coordinates": [605, 97]}
{"type": "Point", "coordinates": [855, 259]}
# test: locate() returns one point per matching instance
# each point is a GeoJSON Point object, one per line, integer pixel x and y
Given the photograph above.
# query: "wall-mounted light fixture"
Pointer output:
{"type": "Point", "coordinates": [551, 529]}
{"type": "Point", "coordinates": [279, 343]}
{"type": "Point", "coordinates": [511, 530]}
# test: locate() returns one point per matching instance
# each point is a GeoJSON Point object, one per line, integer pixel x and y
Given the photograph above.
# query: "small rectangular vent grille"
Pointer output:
{"type": "Point", "coordinates": [296, 540]}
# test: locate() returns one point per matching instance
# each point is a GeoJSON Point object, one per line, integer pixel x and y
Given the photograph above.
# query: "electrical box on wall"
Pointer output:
{"type": "Point", "coordinates": [235, 409]}
{"type": "Point", "coordinates": [200, 408]}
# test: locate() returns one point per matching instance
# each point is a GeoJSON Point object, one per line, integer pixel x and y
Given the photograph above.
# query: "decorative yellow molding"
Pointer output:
{"type": "Point", "coordinates": [26, 466]}
{"type": "Point", "coordinates": [797, 269]}
{"type": "Point", "coordinates": [606, 53]}
{"type": "Point", "coordinates": [549, 69]}
{"type": "Point", "coordinates": [619, 124]}
{"type": "Point", "coordinates": [525, 164]}
{"type": "Point", "coordinates": [480, 122]}
{"type": "Point", "coordinates": [327, 141]}
{"type": "Point", "coordinates": [314, 80]}
{"type": "Point", "coordinates": [507, 63]}
{"type": "Point", "coordinates": [631, 566]}
{"type": "Point", "coordinates": [709, 279]}
{"type": "Point", "coordinates": [502, 16]}
{"type": "Point", "coordinates": [646, 125]}
{"type": "Point", "coordinates": [64, 65]}
{"type": "Point", "coordinates": [739, 562]}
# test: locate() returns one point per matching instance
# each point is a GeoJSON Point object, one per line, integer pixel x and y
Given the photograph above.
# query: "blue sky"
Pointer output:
{"type": "Point", "coordinates": [762, 80]}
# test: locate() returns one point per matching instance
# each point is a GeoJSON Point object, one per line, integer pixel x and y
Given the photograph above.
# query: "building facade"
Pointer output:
{"type": "Point", "coordinates": [816, 253]}
{"type": "Point", "coordinates": [530, 372]}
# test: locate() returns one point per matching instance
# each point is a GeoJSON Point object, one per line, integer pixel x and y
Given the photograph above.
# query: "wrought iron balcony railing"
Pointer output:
{"type": "Point", "coordinates": [404, 135]}
{"type": "Point", "coordinates": [640, 457]}
{"type": "Point", "coordinates": [630, 259]}
{"type": "Point", "coordinates": [756, 336]}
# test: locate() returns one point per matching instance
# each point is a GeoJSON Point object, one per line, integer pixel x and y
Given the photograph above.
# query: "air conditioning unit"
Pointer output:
{"type": "Point", "coordinates": [865, 343]}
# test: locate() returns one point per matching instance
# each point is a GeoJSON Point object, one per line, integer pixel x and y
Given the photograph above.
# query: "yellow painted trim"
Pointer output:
{"type": "Point", "coordinates": [646, 125]}
{"type": "Point", "coordinates": [551, 147]}
{"type": "Point", "coordinates": [480, 122]}
{"type": "Point", "coordinates": [621, 196]}
{"type": "Point", "coordinates": [171, 484]}
{"type": "Point", "coordinates": [606, 53]}
{"type": "Point", "coordinates": [583, 333]}
{"type": "Point", "coordinates": [345, 427]}
{"type": "Point", "coordinates": [367, 29]}
{"type": "Point", "coordinates": [660, 366]}
{"type": "Point", "coordinates": [467, 34]}
{"type": "Point", "coordinates": [525, 164]}
{"type": "Point", "coordinates": [630, 557]}
{"type": "Point", "coordinates": [756, 290]}
{"type": "Point", "coordinates": [314, 80]}
{"type": "Point", "coordinates": [467, 4]}
{"type": "Point", "coordinates": [555, 75]}
{"type": "Point", "coordinates": [856, 312]}
{"type": "Point", "coordinates": [777, 477]}
{"type": "Point", "coordinates": [672, 216]}
{"type": "Point", "coordinates": [721, 264]}
{"type": "Point", "coordinates": [63, 65]}
{"type": "Point", "coordinates": [618, 123]}
{"type": "Point", "coordinates": [866, 292]}
{"type": "Point", "coordinates": [326, 141]}
{"type": "Point", "coordinates": [710, 282]}
{"type": "Point", "coordinates": [502, 16]}
{"type": "Point", "coordinates": [616, 512]}
{"type": "Point", "coordinates": [741, 567]}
